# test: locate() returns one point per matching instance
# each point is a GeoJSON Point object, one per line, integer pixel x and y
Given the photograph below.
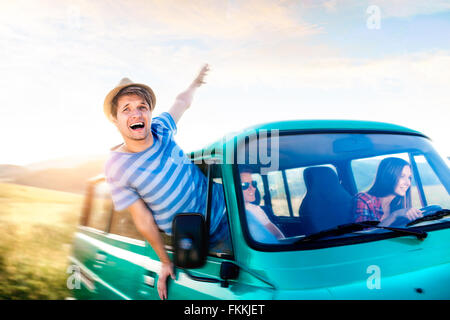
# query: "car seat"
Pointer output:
{"type": "Point", "coordinates": [326, 204]}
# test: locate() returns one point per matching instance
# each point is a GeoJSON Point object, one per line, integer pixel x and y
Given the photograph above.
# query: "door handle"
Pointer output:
{"type": "Point", "coordinates": [100, 260]}
{"type": "Point", "coordinates": [149, 279]}
{"type": "Point", "coordinates": [100, 257]}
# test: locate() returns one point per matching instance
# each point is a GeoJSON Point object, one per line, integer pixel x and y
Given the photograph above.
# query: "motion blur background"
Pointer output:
{"type": "Point", "coordinates": [375, 60]}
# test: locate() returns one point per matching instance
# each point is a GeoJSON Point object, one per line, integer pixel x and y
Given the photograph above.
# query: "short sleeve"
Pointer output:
{"type": "Point", "coordinates": [164, 122]}
{"type": "Point", "coordinates": [122, 194]}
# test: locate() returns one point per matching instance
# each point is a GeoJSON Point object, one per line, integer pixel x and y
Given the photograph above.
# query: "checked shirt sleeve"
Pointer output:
{"type": "Point", "coordinates": [364, 211]}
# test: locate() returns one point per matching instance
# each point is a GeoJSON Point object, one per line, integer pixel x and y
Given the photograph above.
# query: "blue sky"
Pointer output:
{"type": "Point", "coordinates": [270, 60]}
{"type": "Point", "coordinates": [397, 35]}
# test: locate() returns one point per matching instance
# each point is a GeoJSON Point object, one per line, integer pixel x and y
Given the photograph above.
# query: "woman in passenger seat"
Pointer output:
{"type": "Point", "coordinates": [261, 228]}
{"type": "Point", "coordinates": [389, 198]}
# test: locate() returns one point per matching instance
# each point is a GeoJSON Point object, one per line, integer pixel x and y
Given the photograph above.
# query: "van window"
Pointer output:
{"type": "Point", "coordinates": [223, 248]}
{"type": "Point", "coordinates": [278, 193]}
{"type": "Point", "coordinates": [311, 180]}
{"type": "Point", "coordinates": [284, 191]}
{"type": "Point", "coordinates": [297, 187]}
{"type": "Point", "coordinates": [365, 170]}
{"type": "Point", "coordinates": [259, 182]}
{"type": "Point", "coordinates": [101, 207]}
{"type": "Point", "coordinates": [433, 189]}
{"type": "Point", "coordinates": [122, 224]}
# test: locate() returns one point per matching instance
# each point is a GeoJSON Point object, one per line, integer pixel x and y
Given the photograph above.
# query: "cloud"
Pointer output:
{"type": "Point", "coordinates": [218, 19]}
{"type": "Point", "coordinates": [124, 34]}
{"type": "Point", "coordinates": [64, 55]}
{"type": "Point", "coordinates": [330, 5]}
{"type": "Point", "coordinates": [245, 40]}
{"type": "Point", "coordinates": [174, 18]}
{"type": "Point", "coordinates": [408, 8]}
{"type": "Point", "coordinates": [389, 8]}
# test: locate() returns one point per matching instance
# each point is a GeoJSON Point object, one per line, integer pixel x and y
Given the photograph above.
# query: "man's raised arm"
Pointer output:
{"type": "Point", "coordinates": [183, 100]}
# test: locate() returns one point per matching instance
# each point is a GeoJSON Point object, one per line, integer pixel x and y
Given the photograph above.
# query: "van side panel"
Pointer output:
{"type": "Point", "coordinates": [115, 264]}
{"type": "Point", "coordinates": [122, 271]}
{"type": "Point", "coordinates": [85, 262]}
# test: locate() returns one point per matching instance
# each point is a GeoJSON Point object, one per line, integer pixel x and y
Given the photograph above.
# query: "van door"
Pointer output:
{"type": "Point", "coordinates": [88, 255]}
{"type": "Point", "coordinates": [185, 286]}
{"type": "Point", "coordinates": [124, 254]}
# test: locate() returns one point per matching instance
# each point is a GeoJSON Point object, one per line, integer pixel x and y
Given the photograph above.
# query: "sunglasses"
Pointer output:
{"type": "Point", "coordinates": [246, 185]}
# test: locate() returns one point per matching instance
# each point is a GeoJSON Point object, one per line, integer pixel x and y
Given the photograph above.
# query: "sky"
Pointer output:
{"type": "Point", "coordinates": [374, 60]}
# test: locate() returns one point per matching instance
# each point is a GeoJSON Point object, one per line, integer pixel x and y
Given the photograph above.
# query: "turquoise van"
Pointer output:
{"type": "Point", "coordinates": [305, 178]}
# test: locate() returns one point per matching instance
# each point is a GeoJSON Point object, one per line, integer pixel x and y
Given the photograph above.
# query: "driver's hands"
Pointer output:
{"type": "Point", "coordinates": [409, 213]}
{"type": "Point", "coordinates": [166, 270]}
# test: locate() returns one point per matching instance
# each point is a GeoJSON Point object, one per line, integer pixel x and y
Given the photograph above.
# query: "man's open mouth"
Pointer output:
{"type": "Point", "coordinates": [137, 126]}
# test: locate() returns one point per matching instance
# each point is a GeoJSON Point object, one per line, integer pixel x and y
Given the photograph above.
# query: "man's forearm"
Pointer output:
{"type": "Point", "coordinates": [184, 100]}
{"type": "Point", "coordinates": [147, 227]}
{"type": "Point", "coordinates": [156, 242]}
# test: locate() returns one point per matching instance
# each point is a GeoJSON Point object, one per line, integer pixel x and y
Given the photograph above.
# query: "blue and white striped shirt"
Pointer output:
{"type": "Point", "coordinates": [164, 177]}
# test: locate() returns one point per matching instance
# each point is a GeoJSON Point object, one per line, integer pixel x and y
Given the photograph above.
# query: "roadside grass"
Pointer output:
{"type": "Point", "coordinates": [36, 232]}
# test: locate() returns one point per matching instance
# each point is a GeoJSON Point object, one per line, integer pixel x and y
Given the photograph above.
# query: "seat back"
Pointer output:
{"type": "Point", "coordinates": [326, 203]}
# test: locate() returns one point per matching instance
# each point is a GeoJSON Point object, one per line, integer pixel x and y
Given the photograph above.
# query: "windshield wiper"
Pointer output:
{"type": "Point", "coordinates": [359, 226]}
{"type": "Point", "coordinates": [434, 216]}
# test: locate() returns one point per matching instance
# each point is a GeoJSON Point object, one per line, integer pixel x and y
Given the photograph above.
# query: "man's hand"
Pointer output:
{"type": "Point", "coordinates": [166, 270]}
{"type": "Point", "coordinates": [200, 79]}
{"type": "Point", "coordinates": [184, 100]}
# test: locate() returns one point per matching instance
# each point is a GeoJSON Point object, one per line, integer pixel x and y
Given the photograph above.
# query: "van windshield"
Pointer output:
{"type": "Point", "coordinates": [294, 185]}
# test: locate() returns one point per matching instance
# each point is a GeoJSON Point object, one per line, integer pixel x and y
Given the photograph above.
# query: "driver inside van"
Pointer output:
{"type": "Point", "coordinates": [389, 198]}
{"type": "Point", "coordinates": [261, 228]}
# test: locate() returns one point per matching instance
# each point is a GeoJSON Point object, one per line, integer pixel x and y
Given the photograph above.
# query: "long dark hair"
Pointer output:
{"type": "Point", "coordinates": [388, 174]}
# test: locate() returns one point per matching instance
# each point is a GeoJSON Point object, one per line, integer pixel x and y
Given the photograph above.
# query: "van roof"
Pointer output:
{"type": "Point", "coordinates": [305, 126]}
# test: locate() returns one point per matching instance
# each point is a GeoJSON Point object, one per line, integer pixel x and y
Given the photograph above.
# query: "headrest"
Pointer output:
{"type": "Point", "coordinates": [319, 176]}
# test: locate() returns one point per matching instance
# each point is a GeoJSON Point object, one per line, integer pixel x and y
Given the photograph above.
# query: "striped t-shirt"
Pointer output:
{"type": "Point", "coordinates": [164, 178]}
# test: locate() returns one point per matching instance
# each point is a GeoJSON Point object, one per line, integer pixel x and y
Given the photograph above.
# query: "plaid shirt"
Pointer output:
{"type": "Point", "coordinates": [368, 207]}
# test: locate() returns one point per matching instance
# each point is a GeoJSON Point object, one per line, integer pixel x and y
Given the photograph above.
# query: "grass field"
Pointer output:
{"type": "Point", "coordinates": [36, 231]}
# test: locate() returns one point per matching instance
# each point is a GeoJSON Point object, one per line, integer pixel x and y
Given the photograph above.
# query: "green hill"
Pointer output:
{"type": "Point", "coordinates": [62, 179]}
{"type": "Point", "coordinates": [37, 228]}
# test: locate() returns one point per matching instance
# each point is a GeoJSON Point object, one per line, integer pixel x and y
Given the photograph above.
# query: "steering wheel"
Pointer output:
{"type": "Point", "coordinates": [403, 221]}
{"type": "Point", "coordinates": [426, 211]}
{"type": "Point", "coordinates": [430, 209]}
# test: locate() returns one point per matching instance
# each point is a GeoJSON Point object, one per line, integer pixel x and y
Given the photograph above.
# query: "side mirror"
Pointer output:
{"type": "Point", "coordinates": [190, 240]}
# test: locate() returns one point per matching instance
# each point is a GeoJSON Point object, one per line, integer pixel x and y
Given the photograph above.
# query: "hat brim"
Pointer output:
{"type": "Point", "coordinates": [107, 105]}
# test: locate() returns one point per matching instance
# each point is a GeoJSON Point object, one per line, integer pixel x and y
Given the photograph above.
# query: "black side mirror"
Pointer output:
{"type": "Point", "coordinates": [190, 240]}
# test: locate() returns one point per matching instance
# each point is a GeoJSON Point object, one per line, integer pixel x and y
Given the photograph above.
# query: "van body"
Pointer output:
{"type": "Point", "coordinates": [324, 254]}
